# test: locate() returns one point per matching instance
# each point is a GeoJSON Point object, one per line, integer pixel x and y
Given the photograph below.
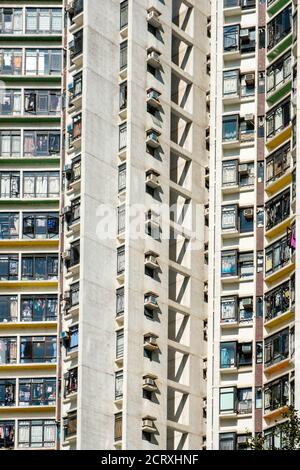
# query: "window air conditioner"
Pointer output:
{"type": "Point", "coordinates": [66, 255]}
{"type": "Point", "coordinates": [67, 295]}
{"type": "Point", "coordinates": [148, 423]}
{"type": "Point", "coordinates": [248, 303]}
{"type": "Point", "coordinates": [243, 169]}
{"type": "Point", "coordinates": [249, 77]}
{"type": "Point", "coordinates": [151, 340]}
{"type": "Point", "coordinates": [249, 117]}
{"type": "Point", "coordinates": [149, 381]}
{"type": "Point", "coordinates": [244, 33]}
{"type": "Point", "coordinates": [249, 213]}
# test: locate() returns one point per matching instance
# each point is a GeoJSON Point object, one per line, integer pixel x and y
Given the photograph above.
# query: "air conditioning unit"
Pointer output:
{"type": "Point", "coordinates": [70, 7]}
{"type": "Point", "coordinates": [150, 382]}
{"type": "Point", "coordinates": [150, 259]}
{"type": "Point", "coordinates": [66, 256]}
{"type": "Point", "coordinates": [148, 423]}
{"type": "Point", "coordinates": [243, 169]}
{"type": "Point", "coordinates": [205, 288]}
{"type": "Point", "coordinates": [152, 340]}
{"type": "Point", "coordinates": [248, 303]}
{"type": "Point", "coordinates": [66, 210]}
{"type": "Point", "coordinates": [206, 211]}
{"type": "Point", "coordinates": [72, 45]}
{"type": "Point", "coordinates": [67, 296]}
{"type": "Point", "coordinates": [153, 18]}
{"type": "Point", "coordinates": [152, 179]}
{"type": "Point", "coordinates": [244, 33]}
{"type": "Point", "coordinates": [249, 117]}
{"type": "Point", "coordinates": [249, 213]}
{"type": "Point", "coordinates": [64, 335]}
{"type": "Point", "coordinates": [68, 168]}
{"type": "Point", "coordinates": [249, 77]}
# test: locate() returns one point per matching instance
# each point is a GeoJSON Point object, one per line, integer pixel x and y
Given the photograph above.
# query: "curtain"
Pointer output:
{"type": "Point", "coordinates": [44, 21]}
{"type": "Point", "coordinates": [53, 186]}
{"type": "Point", "coordinates": [28, 186]}
{"type": "Point", "coordinates": [31, 62]}
{"type": "Point", "coordinates": [56, 21]}
{"type": "Point", "coordinates": [15, 145]}
{"type": "Point", "coordinates": [5, 145]}
{"type": "Point", "coordinates": [36, 435]}
{"type": "Point", "coordinates": [24, 432]}
{"type": "Point", "coordinates": [5, 185]}
{"type": "Point", "coordinates": [41, 186]}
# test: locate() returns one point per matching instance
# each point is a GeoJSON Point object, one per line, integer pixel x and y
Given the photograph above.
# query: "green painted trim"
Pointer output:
{"type": "Point", "coordinates": [278, 94]}
{"type": "Point", "coordinates": [32, 161]}
{"type": "Point", "coordinates": [29, 119]}
{"type": "Point", "coordinates": [23, 78]}
{"type": "Point", "coordinates": [29, 202]}
{"type": "Point", "coordinates": [276, 6]}
{"type": "Point", "coordinates": [280, 47]}
{"type": "Point", "coordinates": [32, 38]}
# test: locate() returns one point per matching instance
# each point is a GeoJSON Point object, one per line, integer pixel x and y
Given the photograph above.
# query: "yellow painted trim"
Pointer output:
{"type": "Point", "coordinates": [280, 273]}
{"type": "Point", "coordinates": [279, 138]}
{"type": "Point", "coordinates": [277, 367]}
{"type": "Point", "coordinates": [26, 409]}
{"type": "Point", "coordinates": [28, 284]}
{"type": "Point", "coordinates": [287, 316]}
{"type": "Point", "coordinates": [279, 228]}
{"type": "Point", "coordinates": [25, 367]}
{"type": "Point", "coordinates": [280, 183]}
{"type": "Point", "coordinates": [33, 243]}
{"type": "Point", "coordinates": [276, 413]}
{"type": "Point", "coordinates": [28, 325]}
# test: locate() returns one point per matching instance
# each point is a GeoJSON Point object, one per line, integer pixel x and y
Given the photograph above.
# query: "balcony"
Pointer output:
{"type": "Point", "coordinates": [75, 9]}
{"type": "Point", "coordinates": [276, 397]}
{"type": "Point", "coordinates": [274, 6]}
{"type": "Point", "coordinates": [278, 123]}
{"type": "Point", "coordinates": [279, 259]}
{"type": "Point", "coordinates": [277, 351]}
{"type": "Point", "coordinates": [278, 169]}
{"type": "Point", "coordinates": [280, 34]}
{"type": "Point", "coordinates": [277, 213]}
{"type": "Point", "coordinates": [279, 79]}
{"type": "Point", "coordinates": [280, 304]}
{"type": "Point", "coordinates": [236, 7]}
{"type": "Point", "coordinates": [76, 49]}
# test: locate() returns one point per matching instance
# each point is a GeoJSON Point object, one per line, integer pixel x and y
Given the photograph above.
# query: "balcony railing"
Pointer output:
{"type": "Point", "coordinates": [278, 255]}
{"type": "Point", "coordinates": [280, 300]}
{"type": "Point", "coordinates": [279, 27]}
{"type": "Point", "coordinates": [278, 163]}
{"type": "Point", "coordinates": [277, 209]}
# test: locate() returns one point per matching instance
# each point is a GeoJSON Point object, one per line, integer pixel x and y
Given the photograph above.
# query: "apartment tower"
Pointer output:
{"type": "Point", "coordinates": [133, 310]}
{"type": "Point", "coordinates": [30, 150]}
{"type": "Point", "coordinates": [254, 210]}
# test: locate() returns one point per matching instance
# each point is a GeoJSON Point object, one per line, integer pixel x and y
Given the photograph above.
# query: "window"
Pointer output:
{"type": "Point", "coordinates": [72, 344]}
{"type": "Point", "coordinates": [231, 38]}
{"type": "Point", "coordinates": [77, 86]}
{"type": "Point", "coordinates": [76, 170]}
{"type": "Point", "coordinates": [11, 20]}
{"type": "Point", "coordinates": [230, 173]}
{"type": "Point", "coordinates": [119, 385]}
{"type": "Point", "coordinates": [39, 267]}
{"type": "Point", "coordinates": [74, 294]}
{"type": "Point", "coordinates": [11, 61]}
{"type": "Point", "coordinates": [37, 349]}
{"type": "Point", "coordinates": [9, 267]}
{"type": "Point", "coordinates": [120, 301]}
{"type": "Point", "coordinates": [245, 309]}
{"type": "Point", "coordinates": [246, 264]}
{"type": "Point", "coordinates": [7, 394]}
{"type": "Point", "coordinates": [247, 40]}
{"type": "Point", "coordinates": [41, 184]}
{"type": "Point", "coordinates": [279, 27]}
{"type": "Point", "coordinates": [37, 433]}
{"type": "Point", "coordinates": [229, 218]}
{"type": "Point", "coordinates": [228, 400]}
{"type": "Point", "coordinates": [40, 225]}
{"type": "Point", "coordinates": [71, 382]}
{"type": "Point", "coordinates": [9, 225]}
{"type": "Point", "coordinates": [43, 62]}
{"type": "Point", "coordinates": [279, 72]}
{"type": "Point", "coordinates": [244, 354]}
{"type": "Point", "coordinates": [123, 14]}
{"type": "Point", "coordinates": [121, 218]}
{"type": "Point", "coordinates": [45, 102]}
{"type": "Point", "coordinates": [247, 129]}
{"type": "Point", "coordinates": [118, 427]}
{"type": "Point", "coordinates": [231, 83]}
{"type": "Point", "coordinates": [277, 209]}
{"type": "Point", "coordinates": [246, 217]}
{"type": "Point", "coordinates": [228, 355]}
{"type": "Point", "coordinates": [43, 20]}
{"type": "Point", "coordinates": [76, 129]}
{"type": "Point", "coordinates": [276, 393]}
{"type": "Point", "coordinates": [123, 55]}
{"type": "Point", "coordinates": [278, 163]}
{"type": "Point", "coordinates": [123, 96]}
{"type": "Point", "coordinates": [229, 263]}
{"type": "Point", "coordinates": [75, 253]}
{"type": "Point", "coordinates": [37, 392]}
{"type": "Point", "coordinates": [273, 438]}
{"type": "Point", "coordinates": [123, 136]}
{"type": "Point", "coordinates": [41, 143]}
{"type": "Point", "coordinates": [244, 400]}
{"type": "Point", "coordinates": [10, 144]}
{"type": "Point", "coordinates": [39, 308]}
{"type": "Point", "coordinates": [8, 350]}
{"type": "Point", "coordinates": [247, 85]}
{"type": "Point", "coordinates": [122, 177]}
{"type": "Point", "coordinates": [259, 352]}
{"type": "Point", "coordinates": [277, 255]}
{"type": "Point", "coordinates": [230, 128]}
{"type": "Point", "coordinates": [7, 434]}
{"type": "Point", "coordinates": [121, 260]}
{"type": "Point", "coordinates": [277, 347]}
{"type": "Point", "coordinates": [279, 300]}
{"type": "Point", "coordinates": [246, 174]}
{"type": "Point", "coordinates": [119, 344]}
{"type": "Point", "coordinates": [10, 102]}
{"type": "Point", "coordinates": [8, 308]}
{"type": "Point", "coordinates": [278, 118]}
{"type": "Point", "coordinates": [10, 185]}
{"type": "Point", "coordinates": [70, 425]}
{"type": "Point", "coordinates": [258, 398]}
{"type": "Point", "coordinates": [227, 441]}
{"type": "Point", "coordinates": [76, 46]}
{"type": "Point", "coordinates": [229, 309]}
